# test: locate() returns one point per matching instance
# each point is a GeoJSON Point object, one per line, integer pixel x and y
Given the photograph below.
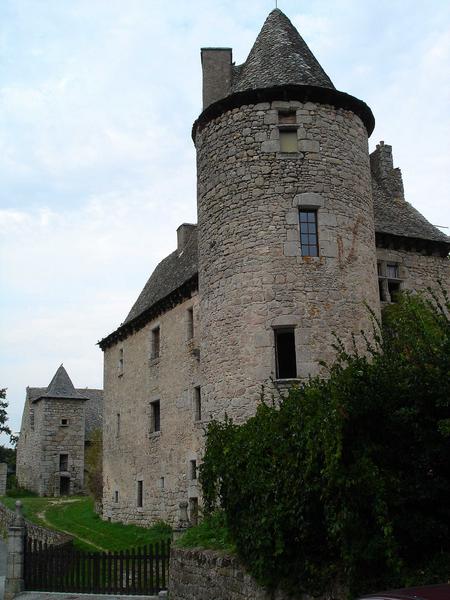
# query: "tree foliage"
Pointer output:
{"type": "Point", "coordinates": [94, 465]}
{"type": "Point", "coordinates": [347, 480]}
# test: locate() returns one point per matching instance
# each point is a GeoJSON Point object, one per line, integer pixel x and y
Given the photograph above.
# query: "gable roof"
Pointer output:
{"type": "Point", "coordinates": [395, 216]}
{"type": "Point", "coordinates": [61, 386]}
{"type": "Point", "coordinates": [279, 57]}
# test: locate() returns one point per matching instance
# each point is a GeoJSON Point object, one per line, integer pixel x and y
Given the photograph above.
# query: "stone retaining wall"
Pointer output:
{"type": "Point", "coordinates": [208, 575]}
{"type": "Point", "coordinates": [35, 532]}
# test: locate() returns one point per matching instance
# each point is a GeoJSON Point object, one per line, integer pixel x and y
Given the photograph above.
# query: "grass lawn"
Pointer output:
{"type": "Point", "coordinates": [78, 518]}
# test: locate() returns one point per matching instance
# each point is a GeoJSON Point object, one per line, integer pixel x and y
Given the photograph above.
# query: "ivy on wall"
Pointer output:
{"type": "Point", "coordinates": [345, 483]}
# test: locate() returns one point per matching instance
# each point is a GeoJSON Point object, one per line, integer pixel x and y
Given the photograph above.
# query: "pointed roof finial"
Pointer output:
{"type": "Point", "coordinates": [280, 56]}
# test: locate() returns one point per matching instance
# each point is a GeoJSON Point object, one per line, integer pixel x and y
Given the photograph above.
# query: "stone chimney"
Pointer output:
{"type": "Point", "coordinates": [382, 167]}
{"type": "Point", "coordinates": [216, 65]}
{"type": "Point", "coordinates": [184, 232]}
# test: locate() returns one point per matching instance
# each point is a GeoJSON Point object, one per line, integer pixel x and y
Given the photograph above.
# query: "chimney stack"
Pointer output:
{"type": "Point", "coordinates": [216, 65]}
{"type": "Point", "coordinates": [184, 232]}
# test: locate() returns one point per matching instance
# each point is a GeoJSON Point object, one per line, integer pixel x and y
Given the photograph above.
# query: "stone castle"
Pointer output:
{"type": "Point", "coordinates": [299, 230]}
{"type": "Point", "coordinates": [57, 426]}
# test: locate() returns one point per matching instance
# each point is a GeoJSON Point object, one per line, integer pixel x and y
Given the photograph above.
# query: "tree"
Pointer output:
{"type": "Point", "coordinates": [347, 479]}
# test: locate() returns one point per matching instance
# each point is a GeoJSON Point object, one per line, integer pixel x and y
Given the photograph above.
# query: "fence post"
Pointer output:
{"type": "Point", "coordinates": [14, 582]}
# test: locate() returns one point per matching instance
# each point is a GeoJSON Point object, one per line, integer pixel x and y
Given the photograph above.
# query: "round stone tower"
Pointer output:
{"type": "Point", "coordinates": [285, 218]}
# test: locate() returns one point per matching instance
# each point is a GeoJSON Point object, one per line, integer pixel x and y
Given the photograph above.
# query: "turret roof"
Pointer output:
{"type": "Point", "coordinates": [279, 56]}
{"type": "Point", "coordinates": [61, 386]}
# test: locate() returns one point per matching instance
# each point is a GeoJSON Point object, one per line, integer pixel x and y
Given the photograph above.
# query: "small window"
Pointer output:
{"type": "Point", "coordinates": [118, 425]}
{"type": "Point", "coordinates": [63, 462]}
{"type": "Point", "coordinates": [32, 419]}
{"type": "Point", "coordinates": [120, 363]}
{"type": "Point", "coordinates": [140, 493]}
{"type": "Point", "coordinates": [394, 289]}
{"type": "Point", "coordinates": [197, 404]}
{"type": "Point", "coordinates": [392, 271]}
{"type": "Point", "coordinates": [286, 361]}
{"type": "Point", "coordinates": [288, 140]}
{"type": "Point", "coordinates": [156, 342]}
{"type": "Point", "coordinates": [162, 483]}
{"type": "Point", "coordinates": [190, 323]}
{"type": "Point", "coordinates": [64, 422]}
{"type": "Point", "coordinates": [193, 470]}
{"type": "Point", "coordinates": [116, 496]}
{"type": "Point", "coordinates": [308, 232]}
{"type": "Point", "coordinates": [155, 416]}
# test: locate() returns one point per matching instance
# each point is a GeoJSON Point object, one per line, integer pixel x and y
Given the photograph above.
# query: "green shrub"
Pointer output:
{"type": "Point", "coordinates": [211, 533]}
{"type": "Point", "coordinates": [346, 480]}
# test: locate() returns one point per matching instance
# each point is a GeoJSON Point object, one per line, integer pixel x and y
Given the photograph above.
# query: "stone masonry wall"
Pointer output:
{"type": "Point", "coordinates": [132, 451]}
{"type": "Point", "coordinates": [252, 276]}
{"type": "Point", "coordinates": [29, 446]}
{"type": "Point", "coordinates": [35, 532]}
{"type": "Point", "coordinates": [418, 271]}
{"type": "Point", "coordinates": [207, 575]}
{"type": "Point", "coordinates": [60, 439]}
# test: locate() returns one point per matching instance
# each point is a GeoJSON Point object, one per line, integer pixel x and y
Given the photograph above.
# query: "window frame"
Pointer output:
{"type": "Point", "coordinates": [306, 244]}
{"type": "Point", "coordinates": [155, 350]}
{"type": "Point", "coordinates": [277, 331]}
{"type": "Point", "coordinates": [140, 494]}
{"type": "Point", "coordinates": [197, 403]}
{"type": "Point", "coordinates": [63, 462]}
{"type": "Point", "coordinates": [155, 416]}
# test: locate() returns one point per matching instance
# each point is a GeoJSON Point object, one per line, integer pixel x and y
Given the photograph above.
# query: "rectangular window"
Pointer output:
{"type": "Point", "coordinates": [288, 140]}
{"type": "Point", "coordinates": [197, 404]}
{"type": "Point", "coordinates": [162, 483]}
{"type": "Point", "coordinates": [286, 361]}
{"type": "Point", "coordinates": [193, 470]}
{"type": "Point", "coordinates": [190, 323]}
{"type": "Point", "coordinates": [140, 493]}
{"type": "Point", "coordinates": [120, 363]}
{"type": "Point", "coordinates": [118, 425]}
{"type": "Point", "coordinates": [308, 232]}
{"type": "Point", "coordinates": [392, 271]}
{"type": "Point", "coordinates": [64, 422]}
{"type": "Point", "coordinates": [156, 342]}
{"type": "Point", "coordinates": [63, 462]}
{"type": "Point", "coordinates": [116, 496]}
{"type": "Point", "coordinates": [155, 416]}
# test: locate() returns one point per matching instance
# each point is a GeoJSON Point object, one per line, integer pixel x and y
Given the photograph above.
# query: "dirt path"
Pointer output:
{"type": "Point", "coordinates": [52, 503]}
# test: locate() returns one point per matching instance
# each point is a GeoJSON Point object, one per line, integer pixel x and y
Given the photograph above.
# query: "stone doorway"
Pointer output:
{"type": "Point", "coordinates": [64, 486]}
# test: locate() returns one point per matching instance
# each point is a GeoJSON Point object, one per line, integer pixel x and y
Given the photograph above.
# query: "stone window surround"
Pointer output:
{"type": "Point", "coordinates": [64, 422]}
{"type": "Point", "coordinates": [302, 350]}
{"type": "Point", "coordinates": [270, 142]}
{"type": "Point", "coordinates": [152, 432]}
{"type": "Point", "coordinates": [383, 278]}
{"type": "Point", "coordinates": [120, 363]}
{"type": "Point", "coordinates": [326, 242]}
{"type": "Point", "coordinates": [190, 324]}
{"type": "Point", "coordinates": [153, 360]}
{"type": "Point", "coordinates": [61, 462]}
{"type": "Point", "coordinates": [197, 396]}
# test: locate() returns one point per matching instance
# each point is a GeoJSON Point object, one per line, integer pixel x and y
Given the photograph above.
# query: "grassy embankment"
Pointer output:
{"type": "Point", "coordinates": [76, 516]}
{"type": "Point", "coordinates": [210, 533]}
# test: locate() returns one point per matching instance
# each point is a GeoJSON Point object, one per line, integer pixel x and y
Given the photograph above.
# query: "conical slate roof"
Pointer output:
{"type": "Point", "coordinates": [279, 57]}
{"type": "Point", "coordinates": [61, 386]}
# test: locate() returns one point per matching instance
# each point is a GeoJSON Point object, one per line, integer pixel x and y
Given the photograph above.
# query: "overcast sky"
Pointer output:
{"type": "Point", "coordinates": [97, 166]}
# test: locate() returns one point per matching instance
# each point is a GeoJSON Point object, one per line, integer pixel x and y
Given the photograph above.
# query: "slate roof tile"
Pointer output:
{"type": "Point", "coordinates": [279, 56]}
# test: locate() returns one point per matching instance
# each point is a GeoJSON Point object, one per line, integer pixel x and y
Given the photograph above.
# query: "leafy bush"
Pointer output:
{"type": "Point", "coordinates": [345, 483]}
{"type": "Point", "coordinates": [14, 490]}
